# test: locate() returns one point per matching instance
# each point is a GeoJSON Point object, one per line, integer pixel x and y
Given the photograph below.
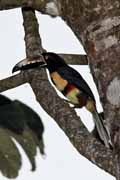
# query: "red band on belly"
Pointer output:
{"type": "Point", "coordinates": [68, 89]}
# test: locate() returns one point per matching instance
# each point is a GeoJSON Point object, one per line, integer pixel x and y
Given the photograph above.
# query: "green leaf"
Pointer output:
{"type": "Point", "coordinates": [10, 159]}
{"type": "Point", "coordinates": [22, 123]}
{"type": "Point", "coordinates": [28, 144]}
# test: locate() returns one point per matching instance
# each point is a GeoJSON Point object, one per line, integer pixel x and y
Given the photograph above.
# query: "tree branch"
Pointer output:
{"type": "Point", "coordinates": [13, 81]}
{"type": "Point", "coordinates": [71, 124]}
{"type": "Point", "coordinates": [75, 59]}
{"type": "Point", "coordinates": [10, 4]}
{"type": "Point", "coordinates": [98, 25]}
{"type": "Point", "coordinates": [64, 115]}
{"type": "Point", "coordinates": [31, 27]}
{"type": "Point", "coordinates": [68, 120]}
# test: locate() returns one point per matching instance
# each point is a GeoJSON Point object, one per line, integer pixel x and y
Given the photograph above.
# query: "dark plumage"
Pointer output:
{"type": "Point", "coordinates": [71, 84]}
{"type": "Point", "coordinates": [74, 87]}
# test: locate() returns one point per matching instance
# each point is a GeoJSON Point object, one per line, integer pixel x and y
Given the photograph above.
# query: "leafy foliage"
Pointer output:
{"type": "Point", "coordinates": [19, 122]}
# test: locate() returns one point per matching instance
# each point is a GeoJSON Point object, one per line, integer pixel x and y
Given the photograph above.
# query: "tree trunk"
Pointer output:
{"type": "Point", "coordinates": [96, 23]}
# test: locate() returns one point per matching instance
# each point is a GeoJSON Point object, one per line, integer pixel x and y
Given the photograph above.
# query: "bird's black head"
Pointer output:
{"type": "Point", "coordinates": [53, 61]}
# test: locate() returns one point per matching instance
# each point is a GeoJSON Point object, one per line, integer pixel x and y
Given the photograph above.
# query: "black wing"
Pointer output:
{"type": "Point", "coordinates": [73, 77]}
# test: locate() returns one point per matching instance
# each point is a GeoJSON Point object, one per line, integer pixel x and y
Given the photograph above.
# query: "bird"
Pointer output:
{"type": "Point", "coordinates": [16, 116]}
{"type": "Point", "coordinates": [72, 85]}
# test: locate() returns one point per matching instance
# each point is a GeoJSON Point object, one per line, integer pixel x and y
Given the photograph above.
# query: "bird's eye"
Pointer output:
{"type": "Point", "coordinates": [46, 57]}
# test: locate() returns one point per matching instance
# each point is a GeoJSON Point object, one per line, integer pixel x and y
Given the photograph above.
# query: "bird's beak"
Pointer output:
{"type": "Point", "coordinates": [29, 64]}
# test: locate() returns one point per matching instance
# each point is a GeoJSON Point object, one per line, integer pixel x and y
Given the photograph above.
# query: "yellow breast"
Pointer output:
{"type": "Point", "coordinates": [59, 81]}
{"type": "Point", "coordinates": [72, 96]}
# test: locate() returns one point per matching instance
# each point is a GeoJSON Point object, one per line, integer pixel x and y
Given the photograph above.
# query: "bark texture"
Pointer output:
{"type": "Point", "coordinates": [97, 24]}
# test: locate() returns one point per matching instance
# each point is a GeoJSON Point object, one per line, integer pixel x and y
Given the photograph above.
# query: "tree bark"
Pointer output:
{"type": "Point", "coordinates": [10, 4]}
{"type": "Point", "coordinates": [96, 23]}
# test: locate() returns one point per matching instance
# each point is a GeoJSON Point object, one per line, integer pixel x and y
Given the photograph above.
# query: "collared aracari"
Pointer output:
{"type": "Point", "coordinates": [71, 84]}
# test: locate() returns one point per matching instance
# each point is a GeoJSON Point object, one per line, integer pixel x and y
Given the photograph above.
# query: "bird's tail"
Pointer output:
{"type": "Point", "coordinates": [102, 130]}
